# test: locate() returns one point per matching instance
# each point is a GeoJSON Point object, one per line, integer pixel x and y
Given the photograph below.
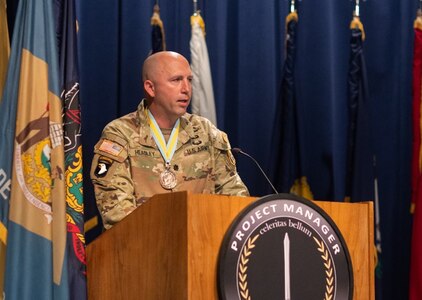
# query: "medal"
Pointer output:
{"type": "Point", "coordinates": [168, 178]}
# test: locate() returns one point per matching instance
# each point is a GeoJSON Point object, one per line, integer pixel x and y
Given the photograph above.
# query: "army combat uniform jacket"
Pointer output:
{"type": "Point", "coordinates": [127, 163]}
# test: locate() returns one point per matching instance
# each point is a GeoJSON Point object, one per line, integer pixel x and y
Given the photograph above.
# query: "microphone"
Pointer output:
{"type": "Point", "coordinates": [238, 150]}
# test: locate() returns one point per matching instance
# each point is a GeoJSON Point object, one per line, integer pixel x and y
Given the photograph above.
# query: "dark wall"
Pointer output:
{"type": "Point", "coordinates": [246, 47]}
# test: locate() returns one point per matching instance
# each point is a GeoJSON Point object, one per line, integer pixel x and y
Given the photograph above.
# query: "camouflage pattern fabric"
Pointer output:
{"type": "Point", "coordinates": [127, 163]}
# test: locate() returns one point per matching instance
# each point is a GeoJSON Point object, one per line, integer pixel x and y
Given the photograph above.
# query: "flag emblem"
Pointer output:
{"type": "Point", "coordinates": [111, 147]}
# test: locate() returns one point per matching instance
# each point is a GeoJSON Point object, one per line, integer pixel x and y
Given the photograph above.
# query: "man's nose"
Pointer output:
{"type": "Point", "coordinates": [186, 86]}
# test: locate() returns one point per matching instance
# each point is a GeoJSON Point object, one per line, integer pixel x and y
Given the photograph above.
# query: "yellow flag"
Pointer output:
{"type": "Point", "coordinates": [4, 45]}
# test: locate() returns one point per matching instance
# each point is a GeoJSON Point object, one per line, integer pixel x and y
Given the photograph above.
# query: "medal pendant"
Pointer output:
{"type": "Point", "coordinates": [168, 179]}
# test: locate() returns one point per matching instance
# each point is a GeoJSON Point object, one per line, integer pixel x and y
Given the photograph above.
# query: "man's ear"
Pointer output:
{"type": "Point", "coordinates": [149, 88]}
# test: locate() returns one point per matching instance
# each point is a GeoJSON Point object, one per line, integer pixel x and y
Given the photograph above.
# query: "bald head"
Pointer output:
{"type": "Point", "coordinates": [167, 82]}
{"type": "Point", "coordinates": [155, 63]}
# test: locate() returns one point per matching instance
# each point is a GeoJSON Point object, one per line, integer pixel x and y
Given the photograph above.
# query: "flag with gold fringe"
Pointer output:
{"type": "Point", "coordinates": [4, 45]}
{"type": "Point", "coordinates": [4, 181]}
{"type": "Point", "coordinates": [32, 161]}
{"type": "Point", "coordinates": [289, 176]}
{"type": "Point", "coordinates": [359, 169]}
{"type": "Point", "coordinates": [203, 103]}
{"type": "Point", "coordinates": [415, 288]}
{"type": "Point", "coordinates": [361, 180]}
{"type": "Point", "coordinates": [66, 33]}
{"type": "Point", "coordinates": [158, 38]}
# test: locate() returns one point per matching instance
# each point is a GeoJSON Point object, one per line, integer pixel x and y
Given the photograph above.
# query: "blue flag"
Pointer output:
{"type": "Point", "coordinates": [33, 211]}
{"type": "Point", "coordinates": [66, 33]}
{"type": "Point", "coordinates": [360, 156]}
{"type": "Point", "coordinates": [289, 176]}
{"type": "Point", "coordinates": [361, 179]}
{"type": "Point", "coordinates": [158, 39]}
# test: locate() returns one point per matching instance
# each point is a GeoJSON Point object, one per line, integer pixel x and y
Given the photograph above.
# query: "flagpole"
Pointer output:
{"type": "Point", "coordinates": [292, 6]}
{"type": "Point", "coordinates": [195, 7]}
{"type": "Point", "coordinates": [357, 9]}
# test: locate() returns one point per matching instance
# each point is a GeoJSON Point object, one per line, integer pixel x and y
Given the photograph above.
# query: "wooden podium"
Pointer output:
{"type": "Point", "coordinates": [168, 248]}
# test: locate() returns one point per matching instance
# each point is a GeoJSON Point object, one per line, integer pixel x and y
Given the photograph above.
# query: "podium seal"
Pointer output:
{"type": "Point", "coordinates": [284, 247]}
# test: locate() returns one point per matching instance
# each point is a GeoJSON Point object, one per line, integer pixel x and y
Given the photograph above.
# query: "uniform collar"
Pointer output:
{"type": "Point", "coordinates": [186, 131]}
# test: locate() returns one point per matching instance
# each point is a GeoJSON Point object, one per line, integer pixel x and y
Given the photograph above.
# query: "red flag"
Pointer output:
{"type": "Point", "coordinates": [415, 291]}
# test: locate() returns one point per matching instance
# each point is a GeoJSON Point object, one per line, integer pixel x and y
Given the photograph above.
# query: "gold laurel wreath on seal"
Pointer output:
{"type": "Point", "coordinates": [243, 267]}
{"type": "Point", "coordinates": [329, 271]}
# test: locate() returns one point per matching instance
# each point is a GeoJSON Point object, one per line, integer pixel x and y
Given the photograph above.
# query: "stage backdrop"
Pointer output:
{"type": "Point", "coordinates": [246, 48]}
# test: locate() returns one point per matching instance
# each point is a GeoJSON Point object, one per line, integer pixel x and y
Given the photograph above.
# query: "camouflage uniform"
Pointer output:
{"type": "Point", "coordinates": [127, 163]}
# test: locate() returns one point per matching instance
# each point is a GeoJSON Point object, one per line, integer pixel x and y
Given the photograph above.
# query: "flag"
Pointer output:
{"type": "Point", "coordinates": [415, 288]}
{"type": "Point", "coordinates": [4, 59]}
{"type": "Point", "coordinates": [289, 176]}
{"type": "Point", "coordinates": [158, 38]}
{"type": "Point", "coordinates": [66, 33]}
{"type": "Point", "coordinates": [203, 103]}
{"type": "Point", "coordinates": [360, 157]}
{"type": "Point", "coordinates": [361, 182]}
{"type": "Point", "coordinates": [32, 180]}
{"type": "Point", "coordinates": [4, 45]}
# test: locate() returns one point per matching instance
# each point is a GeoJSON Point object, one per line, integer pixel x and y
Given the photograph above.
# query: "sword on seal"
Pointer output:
{"type": "Point", "coordinates": [286, 267]}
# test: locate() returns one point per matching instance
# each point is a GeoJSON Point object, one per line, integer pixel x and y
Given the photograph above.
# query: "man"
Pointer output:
{"type": "Point", "coordinates": [160, 147]}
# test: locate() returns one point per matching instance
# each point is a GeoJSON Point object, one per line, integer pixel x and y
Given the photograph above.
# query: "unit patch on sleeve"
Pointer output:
{"type": "Point", "coordinates": [103, 165]}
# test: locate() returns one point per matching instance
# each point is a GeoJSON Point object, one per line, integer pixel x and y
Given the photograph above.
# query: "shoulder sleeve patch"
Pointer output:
{"type": "Point", "coordinates": [111, 149]}
{"type": "Point", "coordinates": [103, 165]}
{"type": "Point", "coordinates": [221, 141]}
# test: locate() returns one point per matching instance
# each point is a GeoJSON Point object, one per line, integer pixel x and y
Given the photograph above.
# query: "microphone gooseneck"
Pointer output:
{"type": "Point", "coordinates": [238, 150]}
